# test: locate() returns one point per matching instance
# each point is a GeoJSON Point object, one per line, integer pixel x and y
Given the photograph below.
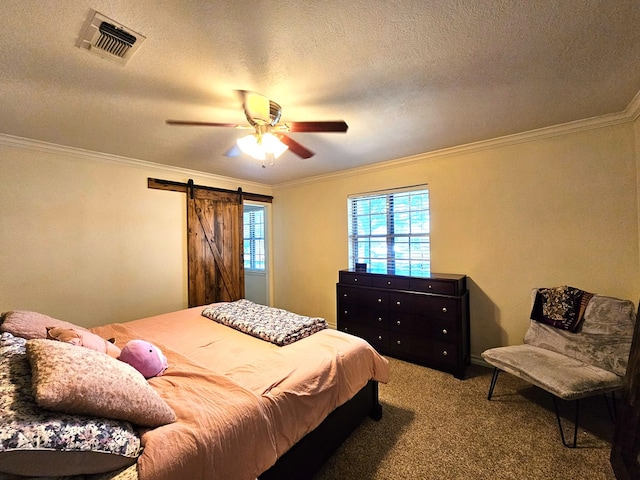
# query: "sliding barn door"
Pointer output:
{"type": "Point", "coordinates": [215, 246]}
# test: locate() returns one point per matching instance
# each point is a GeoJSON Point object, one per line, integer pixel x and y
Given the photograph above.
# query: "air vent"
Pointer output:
{"type": "Point", "coordinates": [114, 40]}
{"type": "Point", "coordinates": [110, 39]}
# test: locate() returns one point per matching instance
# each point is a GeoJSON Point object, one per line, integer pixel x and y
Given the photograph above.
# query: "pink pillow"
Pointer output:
{"type": "Point", "coordinates": [77, 380]}
{"type": "Point", "coordinates": [27, 324]}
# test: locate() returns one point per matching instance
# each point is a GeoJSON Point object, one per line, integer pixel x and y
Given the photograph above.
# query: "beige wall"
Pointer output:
{"type": "Point", "coordinates": [83, 239]}
{"type": "Point", "coordinates": [545, 212]}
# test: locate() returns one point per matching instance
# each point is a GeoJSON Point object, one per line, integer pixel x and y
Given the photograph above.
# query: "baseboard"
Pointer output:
{"type": "Point", "coordinates": [478, 360]}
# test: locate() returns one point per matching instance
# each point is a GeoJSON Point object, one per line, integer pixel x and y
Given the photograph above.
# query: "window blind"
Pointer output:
{"type": "Point", "coordinates": [389, 231]}
{"type": "Point", "coordinates": [254, 247]}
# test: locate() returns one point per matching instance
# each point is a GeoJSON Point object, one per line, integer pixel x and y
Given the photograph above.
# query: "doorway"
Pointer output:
{"type": "Point", "coordinates": [256, 252]}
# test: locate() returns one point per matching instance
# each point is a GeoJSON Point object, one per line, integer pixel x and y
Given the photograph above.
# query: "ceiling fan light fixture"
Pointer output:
{"type": "Point", "coordinates": [270, 138]}
{"type": "Point", "coordinates": [259, 146]}
{"type": "Point", "coordinates": [273, 144]}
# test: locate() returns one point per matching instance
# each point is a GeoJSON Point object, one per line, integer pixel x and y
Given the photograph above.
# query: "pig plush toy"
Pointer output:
{"type": "Point", "coordinates": [144, 357]}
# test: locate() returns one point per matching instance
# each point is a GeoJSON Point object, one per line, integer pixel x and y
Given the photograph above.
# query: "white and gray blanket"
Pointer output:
{"type": "Point", "coordinates": [274, 325]}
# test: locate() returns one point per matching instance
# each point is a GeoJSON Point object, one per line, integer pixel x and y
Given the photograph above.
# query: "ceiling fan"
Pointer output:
{"type": "Point", "coordinates": [270, 138]}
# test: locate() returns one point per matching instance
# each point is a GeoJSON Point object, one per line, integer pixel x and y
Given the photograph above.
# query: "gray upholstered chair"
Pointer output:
{"type": "Point", "coordinates": [571, 365]}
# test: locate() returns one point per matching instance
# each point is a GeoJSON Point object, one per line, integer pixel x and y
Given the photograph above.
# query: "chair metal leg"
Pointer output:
{"type": "Point", "coordinates": [575, 423]}
{"type": "Point", "coordinates": [494, 379]}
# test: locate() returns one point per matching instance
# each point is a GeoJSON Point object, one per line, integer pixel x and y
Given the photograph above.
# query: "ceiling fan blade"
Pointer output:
{"type": "Point", "coordinates": [295, 147]}
{"type": "Point", "coordinates": [201, 124]}
{"type": "Point", "coordinates": [335, 126]}
{"type": "Point", "coordinates": [234, 151]}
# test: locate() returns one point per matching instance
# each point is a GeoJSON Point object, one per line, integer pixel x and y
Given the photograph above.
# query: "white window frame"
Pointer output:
{"type": "Point", "coordinates": [254, 252]}
{"type": "Point", "coordinates": [373, 240]}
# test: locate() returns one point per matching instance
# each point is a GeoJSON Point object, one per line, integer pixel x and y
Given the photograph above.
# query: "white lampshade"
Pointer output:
{"type": "Point", "coordinates": [272, 144]}
{"type": "Point", "coordinates": [259, 146]}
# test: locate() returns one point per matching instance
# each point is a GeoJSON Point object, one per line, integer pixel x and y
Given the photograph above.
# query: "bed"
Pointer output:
{"type": "Point", "coordinates": [244, 407]}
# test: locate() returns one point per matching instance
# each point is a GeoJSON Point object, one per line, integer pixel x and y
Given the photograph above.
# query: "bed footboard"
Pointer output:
{"type": "Point", "coordinates": [306, 457]}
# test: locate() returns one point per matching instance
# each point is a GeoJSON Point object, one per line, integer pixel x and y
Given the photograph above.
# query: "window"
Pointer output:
{"type": "Point", "coordinates": [389, 231]}
{"type": "Point", "coordinates": [254, 251]}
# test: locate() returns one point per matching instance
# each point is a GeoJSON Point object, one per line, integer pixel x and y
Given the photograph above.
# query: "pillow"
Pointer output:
{"type": "Point", "coordinates": [26, 324]}
{"type": "Point", "coordinates": [560, 307]}
{"type": "Point", "coordinates": [36, 442]}
{"type": "Point", "coordinates": [83, 338]}
{"type": "Point", "coordinates": [77, 380]}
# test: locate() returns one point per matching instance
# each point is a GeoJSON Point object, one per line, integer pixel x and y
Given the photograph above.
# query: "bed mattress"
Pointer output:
{"type": "Point", "coordinates": [241, 402]}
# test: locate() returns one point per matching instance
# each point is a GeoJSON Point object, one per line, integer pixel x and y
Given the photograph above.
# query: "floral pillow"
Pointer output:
{"type": "Point", "coordinates": [37, 442]}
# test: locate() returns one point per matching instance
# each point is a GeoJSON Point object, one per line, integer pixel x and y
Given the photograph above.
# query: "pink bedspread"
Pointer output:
{"type": "Point", "coordinates": [241, 402]}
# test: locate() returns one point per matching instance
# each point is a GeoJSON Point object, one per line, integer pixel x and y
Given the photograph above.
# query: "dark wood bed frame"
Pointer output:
{"type": "Point", "coordinates": [305, 458]}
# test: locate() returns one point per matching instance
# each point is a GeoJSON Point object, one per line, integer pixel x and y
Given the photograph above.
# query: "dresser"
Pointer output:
{"type": "Point", "coordinates": [421, 320]}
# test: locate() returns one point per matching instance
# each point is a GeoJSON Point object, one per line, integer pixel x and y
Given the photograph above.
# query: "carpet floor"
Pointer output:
{"type": "Point", "coordinates": [436, 427]}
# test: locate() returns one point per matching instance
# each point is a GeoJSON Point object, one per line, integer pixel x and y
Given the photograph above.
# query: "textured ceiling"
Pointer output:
{"type": "Point", "coordinates": [407, 76]}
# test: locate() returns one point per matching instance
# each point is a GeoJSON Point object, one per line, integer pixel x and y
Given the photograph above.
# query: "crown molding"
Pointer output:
{"type": "Point", "coordinates": [629, 114]}
{"type": "Point", "coordinates": [62, 150]}
{"type": "Point", "coordinates": [633, 109]}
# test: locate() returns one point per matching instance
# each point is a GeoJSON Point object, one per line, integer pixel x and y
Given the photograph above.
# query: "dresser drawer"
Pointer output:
{"type": "Point", "coordinates": [438, 307]}
{"type": "Point", "coordinates": [431, 285]}
{"type": "Point", "coordinates": [441, 330]}
{"type": "Point", "coordinates": [365, 297]}
{"type": "Point", "coordinates": [388, 281]}
{"type": "Point", "coordinates": [354, 278]}
{"type": "Point", "coordinates": [377, 338]}
{"type": "Point", "coordinates": [363, 315]}
{"type": "Point", "coordinates": [440, 354]}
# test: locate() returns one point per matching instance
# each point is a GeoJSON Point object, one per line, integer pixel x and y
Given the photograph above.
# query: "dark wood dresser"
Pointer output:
{"type": "Point", "coordinates": [421, 320]}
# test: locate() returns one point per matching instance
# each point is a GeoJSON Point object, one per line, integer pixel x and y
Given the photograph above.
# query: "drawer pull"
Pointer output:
{"type": "Point", "coordinates": [344, 295]}
{"type": "Point", "coordinates": [398, 322]}
{"type": "Point", "coordinates": [379, 319]}
{"type": "Point", "coordinates": [388, 283]}
{"type": "Point", "coordinates": [346, 311]}
{"type": "Point", "coordinates": [397, 303]}
{"type": "Point", "coordinates": [444, 330]}
{"type": "Point", "coordinates": [445, 353]}
{"type": "Point", "coordinates": [429, 287]}
{"type": "Point", "coordinates": [379, 300]}
{"type": "Point", "coordinates": [346, 329]}
{"type": "Point", "coordinates": [379, 337]}
{"type": "Point", "coordinates": [399, 342]}
{"type": "Point", "coordinates": [444, 309]}
{"type": "Point", "coordinates": [355, 279]}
